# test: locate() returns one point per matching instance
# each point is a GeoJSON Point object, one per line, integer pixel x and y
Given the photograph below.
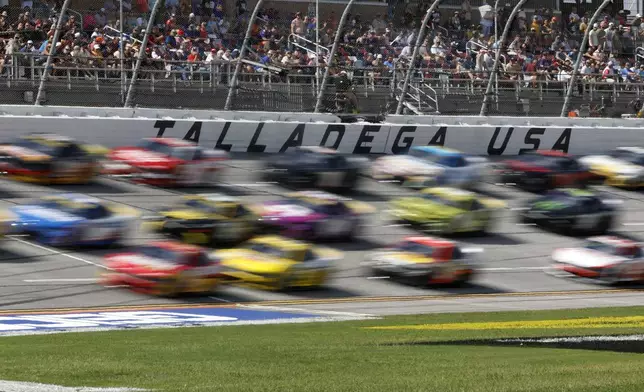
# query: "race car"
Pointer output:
{"type": "Point", "coordinates": [46, 158]}
{"type": "Point", "coordinates": [446, 211]}
{"type": "Point", "coordinates": [205, 219]}
{"type": "Point", "coordinates": [165, 268]}
{"type": "Point", "coordinates": [167, 162]}
{"type": "Point", "coordinates": [538, 171]}
{"type": "Point", "coordinates": [435, 166]}
{"type": "Point", "coordinates": [424, 260]}
{"type": "Point", "coordinates": [571, 211]}
{"type": "Point", "coordinates": [314, 167]}
{"type": "Point", "coordinates": [72, 219]}
{"type": "Point", "coordinates": [607, 259]}
{"type": "Point", "coordinates": [314, 215]}
{"type": "Point", "coordinates": [623, 167]}
{"type": "Point", "coordinates": [278, 263]}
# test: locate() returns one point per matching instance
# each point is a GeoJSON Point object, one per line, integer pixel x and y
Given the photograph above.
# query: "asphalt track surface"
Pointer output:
{"type": "Point", "coordinates": [512, 274]}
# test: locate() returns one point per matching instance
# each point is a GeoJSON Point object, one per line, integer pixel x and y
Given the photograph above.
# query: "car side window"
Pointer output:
{"type": "Point", "coordinates": [457, 254]}
{"type": "Point", "coordinates": [240, 211]}
{"type": "Point", "coordinates": [97, 212]}
{"type": "Point", "coordinates": [476, 205]}
{"type": "Point", "coordinates": [200, 260]}
{"type": "Point", "coordinates": [71, 151]}
{"type": "Point", "coordinates": [198, 155]}
{"type": "Point", "coordinates": [467, 205]}
{"type": "Point", "coordinates": [309, 256]}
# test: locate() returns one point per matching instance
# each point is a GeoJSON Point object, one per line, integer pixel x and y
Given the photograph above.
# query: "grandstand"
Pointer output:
{"type": "Point", "coordinates": [194, 47]}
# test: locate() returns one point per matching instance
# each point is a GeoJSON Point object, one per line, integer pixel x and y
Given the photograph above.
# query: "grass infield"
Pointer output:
{"type": "Point", "coordinates": [343, 356]}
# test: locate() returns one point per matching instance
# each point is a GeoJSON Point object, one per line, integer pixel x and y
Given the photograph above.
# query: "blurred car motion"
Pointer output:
{"type": "Point", "coordinates": [205, 219]}
{"type": "Point", "coordinates": [7, 219]}
{"type": "Point", "coordinates": [165, 268]}
{"type": "Point", "coordinates": [424, 260]}
{"type": "Point", "coordinates": [622, 167]}
{"type": "Point", "coordinates": [446, 210]}
{"type": "Point", "coordinates": [167, 162]}
{"type": "Point", "coordinates": [571, 211]}
{"type": "Point", "coordinates": [314, 167]}
{"type": "Point", "coordinates": [74, 219]}
{"type": "Point", "coordinates": [314, 215]}
{"type": "Point", "coordinates": [538, 171]}
{"type": "Point", "coordinates": [279, 263]}
{"type": "Point", "coordinates": [607, 259]}
{"type": "Point", "coordinates": [47, 158]}
{"type": "Point", "coordinates": [430, 165]}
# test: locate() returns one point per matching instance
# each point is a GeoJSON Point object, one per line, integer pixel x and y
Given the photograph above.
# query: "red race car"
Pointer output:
{"type": "Point", "coordinates": [166, 162]}
{"type": "Point", "coordinates": [538, 171]}
{"type": "Point", "coordinates": [166, 268]}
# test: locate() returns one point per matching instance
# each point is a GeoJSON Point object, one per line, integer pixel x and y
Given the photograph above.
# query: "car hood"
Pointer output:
{"type": "Point", "coordinates": [585, 258]}
{"type": "Point", "coordinates": [137, 264]}
{"type": "Point", "coordinates": [425, 208]}
{"type": "Point", "coordinates": [185, 214]}
{"type": "Point", "coordinates": [401, 258]}
{"type": "Point", "coordinates": [142, 158]}
{"type": "Point", "coordinates": [404, 165]}
{"type": "Point", "coordinates": [25, 154]}
{"type": "Point", "coordinates": [253, 262]}
{"type": "Point", "coordinates": [612, 166]}
{"type": "Point", "coordinates": [36, 215]}
{"type": "Point", "coordinates": [285, 211]}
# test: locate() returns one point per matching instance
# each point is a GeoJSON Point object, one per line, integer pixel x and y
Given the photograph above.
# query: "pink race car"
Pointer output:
{"type": "Point", "coordinates": [314, 215]}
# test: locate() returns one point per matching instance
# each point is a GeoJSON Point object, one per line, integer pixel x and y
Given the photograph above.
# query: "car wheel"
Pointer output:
{"type": "Point", "coordinates": [463, 279]}
{"type": "Point", "coordinates": [170, 289]}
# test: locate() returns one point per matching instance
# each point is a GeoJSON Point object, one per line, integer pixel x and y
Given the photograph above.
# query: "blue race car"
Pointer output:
{"type": "Point", "coordinates": [73, 219]}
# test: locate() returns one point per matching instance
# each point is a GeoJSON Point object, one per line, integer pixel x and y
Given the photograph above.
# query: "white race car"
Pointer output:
{"type": "Point", "coordinates": [622, 167]}
{"type": "Point", "coordinates": [607, 259]}
{"type": "Point", "coordinates": [431, 166]}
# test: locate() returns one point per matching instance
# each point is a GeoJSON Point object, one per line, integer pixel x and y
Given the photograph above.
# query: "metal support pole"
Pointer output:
{"type": "Point", "coordinates": [336, 40]}
{"type": "Point", "coordinates": [419, 42]}
{"type": "Point", "coordinates": [496, 24]}
{"type": "Point", "coordinates": [497, 57]}
{"type": "Point", "coordinates": [139, 59]}
{"type": "Point", "coordinates": [52, 52]}
{"type": "Point", "coordinates": [317, 44]}
{"type": "Point", "coordinates": [580, 55]}
{"type": "Point", "coordinates": [121, 52]}
{"type": "Point", "coordinates": [242, 53]}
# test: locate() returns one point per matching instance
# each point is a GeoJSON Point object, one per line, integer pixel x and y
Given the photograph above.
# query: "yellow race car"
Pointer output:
{"type": "Point", "coordinates": [205, 219]}
{"type": "Point", "coordinates": [45, 158]}
{"type": "Point", "coordinates": [278, 263]}
{"type": "Point", "coordinates": [622, 167]}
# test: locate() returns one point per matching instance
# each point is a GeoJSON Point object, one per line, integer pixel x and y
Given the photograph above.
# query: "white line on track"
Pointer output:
{"type": "Point", "coordinates": [56, 252]}
{"type": "Point", "coordinates": [304, 310]}
{"type": "Point", "coordinates": [220, 299]}
{"type": "Point", "coordinates": [70, 280]}
{"type": "Point", "coordinates": [634, 224]}
{"type": "Point", "coordinates": [493, 269]}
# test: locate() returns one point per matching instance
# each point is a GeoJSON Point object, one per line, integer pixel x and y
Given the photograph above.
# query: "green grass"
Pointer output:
{"type": "Point", "coordinates": [326, 357]}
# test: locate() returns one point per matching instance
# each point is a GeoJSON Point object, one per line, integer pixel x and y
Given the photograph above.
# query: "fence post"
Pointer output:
{"type": "Point", "coordinates": [580, 54]}
{"type": "Point", "coordinates": [506, 30]}
{"type": "Point", "coordinates": [139, 60]}
{"type": "Point", "coordinates": [330, 59]}
{"type": "Point", "coordinates": [52, 51]}
{"type": "Point", "coordinates": [419, 42]}
{"type": "Point", "coordinates": [242, 53]}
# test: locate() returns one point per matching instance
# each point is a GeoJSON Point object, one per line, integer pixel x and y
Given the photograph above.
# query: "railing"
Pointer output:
{"type": "Point", "coordinates": [201, 84]}
{"type": "Point", "coordinates": [294, 38]}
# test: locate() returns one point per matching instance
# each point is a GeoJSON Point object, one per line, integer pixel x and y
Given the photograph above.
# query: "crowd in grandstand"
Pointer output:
{"type": "Point", "coordinates": [191, 34]}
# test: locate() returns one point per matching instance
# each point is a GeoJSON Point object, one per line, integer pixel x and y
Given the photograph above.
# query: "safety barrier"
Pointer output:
{"type": "Point", "coordinates": [357, 138]}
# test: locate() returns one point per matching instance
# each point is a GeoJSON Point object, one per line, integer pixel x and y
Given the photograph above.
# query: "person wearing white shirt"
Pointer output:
{"type": "Point", "coordinates": [406, 51]}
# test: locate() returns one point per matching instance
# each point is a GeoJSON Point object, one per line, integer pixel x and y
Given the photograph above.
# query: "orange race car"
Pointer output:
{"type": "Point", "coordinates": [424, 261]}
{"type": "Point", "coordinates": [46, 158]}
{"type": "Point", "coordinates": [166, 268]}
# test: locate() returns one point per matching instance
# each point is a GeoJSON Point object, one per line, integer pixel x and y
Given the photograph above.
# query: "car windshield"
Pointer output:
{"type": "Point", "coordinates": [152, 145]}
{"type": "Point", "coordinates": [442, 200]}
{"type": "Point", "coordinates": [601, 247]}
{"type": "Point", "coordinates": [414, 247]}
{"type": "Point", "coordinates": [267, 250]}
{"type": "Point", "coordinates": [628, 156]}
{"type": "Point", "coordinates": [444, 160]}
{"type": "Point", "coordinates": [163, 254]}
{"type": "Point", "coordinates": [85, 210]}
{"type": "Point", "coordinates": [42, 148]}
{"type": "Point", "coordinates": [555, 202]}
